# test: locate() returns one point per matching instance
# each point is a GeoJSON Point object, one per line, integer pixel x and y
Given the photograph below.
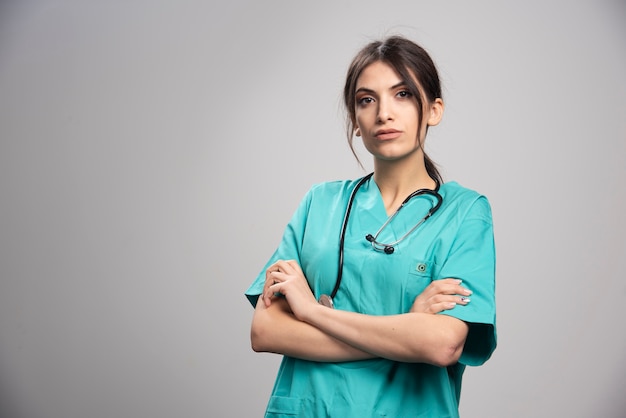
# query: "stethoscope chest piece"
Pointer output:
{"type": "Point", "coordinates": [388, 249]}
{"type": "Point", "coordinates": [326, 301]}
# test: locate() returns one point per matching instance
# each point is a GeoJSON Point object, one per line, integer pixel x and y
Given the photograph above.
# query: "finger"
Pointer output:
{"type": "Point", "coordinates": [290, 267]}
{"type": "Point", "coordinates": [283, 266]}
{"type": "Point", "coordinates": [459, 288]}
{"type": "Point", "coordinates": [271, 269]}
{"type": "Point", "coordinates": [435, 308]}
{"type": "Point", "coordinates": [463, 300]}
{"type": "Point", "coordinates": [273, 278]}
{"type": "Point", "coordinates": [295, 266]}
{"type": "Point", "coordinates": [277, 266]}
{"type": "Point", "coordinates": [449, 287]}
{"type": "Point", "coordinates": [445, 306]}
{"type": "Point", "coordinates": [287, 267]}
{"type": "Point", "coordinates": [266, 300]}
{"type": "Point", "coordinates": [270, 279]}
{"type": "Point", "coordinates": [451, 304]}
{"type": "Point", "coordinates": [271, 293]}
{"type": "Point", "coordinates": [267, 295]}
{"type": "Point", "coordinates": [437, 288]}
{"type": "Point", "coordinates": [450, 280]}
{"type": "Point", "coordinates": [457, 299]}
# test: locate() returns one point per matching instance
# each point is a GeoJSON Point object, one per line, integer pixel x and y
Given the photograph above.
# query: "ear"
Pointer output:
{"type": "Point", "coordinates": [357, 132]}
{"type": "Point", "coordinates": [436, 112]}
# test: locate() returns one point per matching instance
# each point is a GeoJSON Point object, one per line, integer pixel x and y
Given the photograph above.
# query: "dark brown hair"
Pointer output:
{"type": "Point", "coordinates": [412, 63]}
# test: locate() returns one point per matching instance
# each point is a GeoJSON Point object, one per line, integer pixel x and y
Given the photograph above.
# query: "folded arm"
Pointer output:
{"type": "Point", "coordinates": [298, 326]}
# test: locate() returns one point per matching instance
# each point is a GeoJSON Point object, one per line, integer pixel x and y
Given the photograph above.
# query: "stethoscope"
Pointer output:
{"type": "Point", "coordinates": [327, 300]}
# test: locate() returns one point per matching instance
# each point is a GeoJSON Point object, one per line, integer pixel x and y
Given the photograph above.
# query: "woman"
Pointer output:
{"type": "Point", "coordinates": [369, 304]}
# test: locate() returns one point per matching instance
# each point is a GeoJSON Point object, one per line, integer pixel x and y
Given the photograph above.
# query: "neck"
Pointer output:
{"type": "Point", "coordinates": [396, 181]}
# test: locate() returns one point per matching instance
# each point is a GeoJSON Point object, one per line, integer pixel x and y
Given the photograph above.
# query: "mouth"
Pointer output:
{"type": "Point", "coordinates": [387, 134]}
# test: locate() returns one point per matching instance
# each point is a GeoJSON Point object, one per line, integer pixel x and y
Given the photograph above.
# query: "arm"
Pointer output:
{"type": "Point", "coordinates": [411, 337]}
{"type": "Point", "coordinates": [275, 329]}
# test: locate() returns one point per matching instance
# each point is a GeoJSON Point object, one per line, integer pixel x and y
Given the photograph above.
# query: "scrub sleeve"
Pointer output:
{"type": "Point", "coordinates": [472, 259]}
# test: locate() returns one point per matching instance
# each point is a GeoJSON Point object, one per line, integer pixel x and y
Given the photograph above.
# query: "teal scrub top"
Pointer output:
{"type": "Point", "coordinates": [457, 242]}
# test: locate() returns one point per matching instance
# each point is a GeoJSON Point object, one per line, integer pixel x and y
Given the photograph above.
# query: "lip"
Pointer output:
{"type": "Point", "coordinates": [387, 134]}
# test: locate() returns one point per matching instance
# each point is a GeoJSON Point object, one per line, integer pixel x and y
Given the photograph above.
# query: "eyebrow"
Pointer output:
{"type": "Point", "coordinates": [366, 90]}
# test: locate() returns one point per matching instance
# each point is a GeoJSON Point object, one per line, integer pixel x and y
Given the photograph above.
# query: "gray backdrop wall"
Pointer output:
{"type": "Point", "coordinates": [151, 153]}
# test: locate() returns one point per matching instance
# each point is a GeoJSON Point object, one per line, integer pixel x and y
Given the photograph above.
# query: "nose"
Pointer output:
{"type": "Point", "coordinates": [385, 112]}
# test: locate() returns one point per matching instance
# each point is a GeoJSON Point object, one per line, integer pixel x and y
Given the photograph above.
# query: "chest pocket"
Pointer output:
{"type": "Point", "coordinates": [420, 275]}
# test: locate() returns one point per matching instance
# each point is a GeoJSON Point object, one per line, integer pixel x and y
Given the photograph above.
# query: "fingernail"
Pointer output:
{"type": "Point", "coordinates": [465, 299]}
{"type": "Point", "coordinates": [450, 305]}
{"type": "Point", "coordinates": [468, 292]}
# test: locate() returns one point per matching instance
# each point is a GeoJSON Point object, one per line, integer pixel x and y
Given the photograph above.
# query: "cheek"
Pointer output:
{"type": "Point", "coordinates": [413, 125]}
{"type": "Point", "coordinates": [364, 116]}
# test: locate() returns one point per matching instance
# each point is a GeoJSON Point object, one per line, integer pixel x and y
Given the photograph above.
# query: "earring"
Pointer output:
{"type": "Point", "coordinates": [357, 132]}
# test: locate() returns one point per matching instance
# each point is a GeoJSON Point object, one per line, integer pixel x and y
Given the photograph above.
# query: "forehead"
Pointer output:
{"type": "Point", "coordinates": [378, 74]}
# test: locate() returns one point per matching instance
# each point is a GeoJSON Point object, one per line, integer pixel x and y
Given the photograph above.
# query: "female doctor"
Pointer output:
{"type": "Point", "coordinates": [382, 289]}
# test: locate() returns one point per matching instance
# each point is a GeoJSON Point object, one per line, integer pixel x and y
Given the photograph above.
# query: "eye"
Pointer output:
{"type": "Point", "coordinates": [364, 101]}
{"type": "Point", "coordinates": [405, 94]}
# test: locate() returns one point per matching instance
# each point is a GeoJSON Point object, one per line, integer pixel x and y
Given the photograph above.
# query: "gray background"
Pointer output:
{"type": "Point", "coordinates": [151, 153]}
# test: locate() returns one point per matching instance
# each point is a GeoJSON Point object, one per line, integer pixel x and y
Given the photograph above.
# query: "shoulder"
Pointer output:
{"type": "Point", "coordinates": [454, 190]}
{"type": "Point", "coordinates": [332, 190]}
{"type": "Point", "coordinates": [465, 201]}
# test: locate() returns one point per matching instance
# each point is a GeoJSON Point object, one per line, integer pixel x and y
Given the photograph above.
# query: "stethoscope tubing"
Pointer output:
{"type": "Point", "coordinates": [342, 237]}
{"type": "Point", "coordinates": [377, 245]}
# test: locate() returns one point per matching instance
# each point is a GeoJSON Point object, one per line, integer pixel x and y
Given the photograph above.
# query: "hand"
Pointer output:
{"type": "Point", "coordinates": [285, 278]}
{"type": "Point", "coordinates": [441, 295]}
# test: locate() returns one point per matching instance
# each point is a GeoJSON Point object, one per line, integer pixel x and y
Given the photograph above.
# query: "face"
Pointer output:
{"type": "Point", "coordinates": [387, 114]}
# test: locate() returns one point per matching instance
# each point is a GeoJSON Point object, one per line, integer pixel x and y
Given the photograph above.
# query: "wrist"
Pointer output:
{"type": "Point", "coordinates": [312, 315]}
